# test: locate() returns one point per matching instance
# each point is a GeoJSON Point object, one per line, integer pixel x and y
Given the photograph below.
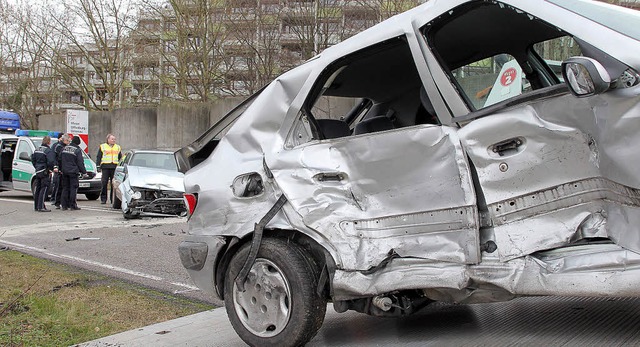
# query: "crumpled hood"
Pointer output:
{"type": "Point", "coordinates": [144, 177]}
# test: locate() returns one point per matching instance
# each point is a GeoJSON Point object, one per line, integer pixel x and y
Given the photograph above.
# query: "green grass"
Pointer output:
{"type": "Point", "coordinates": [48, 304]}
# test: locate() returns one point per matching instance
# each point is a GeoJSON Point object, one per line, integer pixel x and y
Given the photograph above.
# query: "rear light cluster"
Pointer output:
{"type": "Point", "coordinates": [190, 200]}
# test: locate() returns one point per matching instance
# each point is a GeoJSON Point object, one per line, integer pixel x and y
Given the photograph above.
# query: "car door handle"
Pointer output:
{"type": "Point", "coordinates": [330, 176]}
{"type": "Point", "coordinates": [506, 147]}
{"type": "Point", "coordinates": [15, 163]}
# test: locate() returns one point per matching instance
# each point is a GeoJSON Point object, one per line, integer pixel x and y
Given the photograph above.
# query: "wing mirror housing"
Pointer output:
{"type": "Point", "coordinates": [585, 76]}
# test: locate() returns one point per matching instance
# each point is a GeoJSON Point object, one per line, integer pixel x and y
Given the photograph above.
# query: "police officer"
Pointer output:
{"type": "Point", "coordinates": [72, 166]}
{"type": "Point", "coordinates": [108, 157]}
{"type": "Point", "coordinates": [43, 160]}
{"type": "Point", "coordinates": [56, 189]}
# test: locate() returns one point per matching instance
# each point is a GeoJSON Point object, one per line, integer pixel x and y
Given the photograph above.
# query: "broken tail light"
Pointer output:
{"type": "Point", "coordinates": [190, 200]}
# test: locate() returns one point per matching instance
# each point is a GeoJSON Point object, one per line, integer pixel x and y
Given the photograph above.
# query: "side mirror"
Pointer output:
{"type": "Point", "coordinates": [585, 76]}
{"type": "Point", "coordinates": [24, 156]}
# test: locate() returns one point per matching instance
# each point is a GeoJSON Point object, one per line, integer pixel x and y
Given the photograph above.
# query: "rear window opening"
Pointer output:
{"type": "Point", "coordinates": [375, 89]}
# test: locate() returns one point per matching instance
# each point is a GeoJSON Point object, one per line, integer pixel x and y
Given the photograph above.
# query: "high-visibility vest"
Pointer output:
{"type": "Point", "coordinates": [109, 154]}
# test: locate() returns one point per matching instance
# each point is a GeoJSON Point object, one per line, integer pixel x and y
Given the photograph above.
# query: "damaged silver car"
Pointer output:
{"type": "Point", "coordinates": [148, 183]}
{"type": "Point", "coordinates": [464, 151]}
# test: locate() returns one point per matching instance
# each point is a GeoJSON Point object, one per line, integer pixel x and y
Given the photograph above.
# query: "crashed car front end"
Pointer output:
{"type": "Point", "coordinates": [152, 192]}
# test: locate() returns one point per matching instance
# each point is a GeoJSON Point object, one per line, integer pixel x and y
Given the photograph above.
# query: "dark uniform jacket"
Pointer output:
{"type": "Point", "coordinates": [57, 149]}
{"type": "Point", "coordinates": [72, 160]}
{"type": "Point", "coordinates": [43, 160]}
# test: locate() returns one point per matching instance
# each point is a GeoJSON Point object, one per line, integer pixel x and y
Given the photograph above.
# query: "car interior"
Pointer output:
{"type": "Point", "coordinates": [375, 89]}
{"type": "Point", "coordinates": [7, 149]}
{"type": "Point", "coordinates": [473, 34]}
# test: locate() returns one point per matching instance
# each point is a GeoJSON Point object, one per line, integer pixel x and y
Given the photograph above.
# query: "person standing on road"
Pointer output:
{"type": "Point", "coordinates": [43, 160]}
{"type": "Point", "coordinates": [72, 166]}
{"type": "Point", "coordinates": [109, 155]}
{"type": "Point", "coordinates": [56, 189]}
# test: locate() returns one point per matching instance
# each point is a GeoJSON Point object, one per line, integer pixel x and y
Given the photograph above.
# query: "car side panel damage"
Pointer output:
{"type": "Point", "coordinates": [407, 193]}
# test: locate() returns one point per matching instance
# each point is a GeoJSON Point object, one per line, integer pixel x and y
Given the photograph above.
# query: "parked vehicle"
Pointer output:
{"type": "Point", "coordinates": [147, 183]}
{"type": "Point", "coordinates": [9, 122]}
{"type": "Point", "coordinates": [18, 171]}
{"type": "Point", "coordinates": [434, 157]}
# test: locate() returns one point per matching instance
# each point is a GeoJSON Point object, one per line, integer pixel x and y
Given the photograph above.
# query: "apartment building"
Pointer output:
{"type": "Point", "coordinates": [199, 50]}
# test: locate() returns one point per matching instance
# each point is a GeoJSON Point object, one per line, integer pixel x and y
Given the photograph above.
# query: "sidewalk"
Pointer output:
{"type": "Point", "coordinates": [209, 328]}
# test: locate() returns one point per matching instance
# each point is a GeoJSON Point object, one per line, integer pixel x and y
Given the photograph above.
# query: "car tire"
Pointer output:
{"type": "Point", "coordinates": [280, 305]}
{"type": "Point", "coordinates": [92, 196]}
{"type": "Point", "coordinates": [116, 203]}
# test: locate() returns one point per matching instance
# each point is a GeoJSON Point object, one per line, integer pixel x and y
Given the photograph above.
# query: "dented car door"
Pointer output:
{"type": "Point", "coordinates": [554, 170]}
{"type": "Point", "coordinates": [405, 192]}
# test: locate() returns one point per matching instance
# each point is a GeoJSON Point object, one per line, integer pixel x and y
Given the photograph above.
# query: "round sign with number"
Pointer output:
{"type": "Point", "coordinates": [508, 76]}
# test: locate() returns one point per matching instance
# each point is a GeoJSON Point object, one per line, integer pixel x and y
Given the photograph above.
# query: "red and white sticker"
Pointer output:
{"type": "Point", "coordinates": [508, 76]}
{"type": "Point", "coordinates": [84, 141]}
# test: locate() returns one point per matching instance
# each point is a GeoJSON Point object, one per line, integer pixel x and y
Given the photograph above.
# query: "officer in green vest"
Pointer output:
{"type": "Point", "coordinates": [108, 157]}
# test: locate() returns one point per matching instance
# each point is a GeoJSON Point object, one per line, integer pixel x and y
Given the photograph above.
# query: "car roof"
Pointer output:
{"type": "Point", "coordinates": [151, 151]}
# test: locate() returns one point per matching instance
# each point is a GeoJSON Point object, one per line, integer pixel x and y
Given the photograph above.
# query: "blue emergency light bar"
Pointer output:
{"type": "Point", "coordinates": [37, 133]}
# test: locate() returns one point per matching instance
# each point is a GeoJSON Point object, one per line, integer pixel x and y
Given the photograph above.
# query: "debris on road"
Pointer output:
{"type": "Point", "coordinates": [82, 238]}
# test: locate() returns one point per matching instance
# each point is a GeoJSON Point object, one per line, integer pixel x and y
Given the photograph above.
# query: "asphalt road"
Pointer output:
{"type": "Point", "coordinates": [143, 251]}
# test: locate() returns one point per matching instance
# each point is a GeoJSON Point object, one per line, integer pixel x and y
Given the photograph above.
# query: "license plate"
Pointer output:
{"type": "Point", "coordinates": [85, 184]}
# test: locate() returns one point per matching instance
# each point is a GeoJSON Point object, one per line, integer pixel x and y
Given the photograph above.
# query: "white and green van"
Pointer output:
{"type": "Point", "coordinates": [17, 172]}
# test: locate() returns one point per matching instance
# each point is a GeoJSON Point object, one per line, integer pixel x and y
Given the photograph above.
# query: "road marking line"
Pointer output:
{"type": "Point", "coordinates": [84, 207]}
{"type": "Point", "coordinates": [98, 264]}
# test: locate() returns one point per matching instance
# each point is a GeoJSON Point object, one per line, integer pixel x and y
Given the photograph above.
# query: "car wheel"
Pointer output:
{"type": "Point", "coordinates": [280, 305]}
{"type": "Point", "coordinates": [116, 203]}
{"type": "Point", "coordinates": [92, 196]}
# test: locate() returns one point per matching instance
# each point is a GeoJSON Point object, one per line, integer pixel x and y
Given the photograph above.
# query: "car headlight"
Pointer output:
{"type": "Point", "coordinates": [136, 195]}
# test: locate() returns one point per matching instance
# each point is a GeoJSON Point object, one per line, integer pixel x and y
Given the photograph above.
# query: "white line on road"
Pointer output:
{"type": "Point", "coordinates": [98, 264]}
{"type": "Point", "coordinates": [84, 207]}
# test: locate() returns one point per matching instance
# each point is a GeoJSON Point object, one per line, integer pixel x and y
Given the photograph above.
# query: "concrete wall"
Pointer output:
{"type": "Point", "coordinates": [219, 109]}
{"type": "Point", "coordinates": [169, 126]}
{"type": "Point", "coordinates": [180, 124]}
{"type": "Point", "coordinates": [56, 122]}
{"type": "Point", "coordinates": [99, 127]}
{"type": "Point", "coordinates": [135, 127]}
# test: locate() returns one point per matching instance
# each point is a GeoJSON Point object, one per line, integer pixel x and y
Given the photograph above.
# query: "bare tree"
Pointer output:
{"type": "Point", "coordinates": [189, 47]}
{"type": "Point", "coordinates": [252, 44]}
{"type": "Point", "coordinates": [92, 61]}
{"type": "Point", "coordinates": [367, 13]}
{"type": "Point", "coordinates": [28, 80]}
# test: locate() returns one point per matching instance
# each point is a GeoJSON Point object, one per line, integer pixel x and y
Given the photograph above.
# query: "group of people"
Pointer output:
{"type": "Point", "coordinates": [61, 166]}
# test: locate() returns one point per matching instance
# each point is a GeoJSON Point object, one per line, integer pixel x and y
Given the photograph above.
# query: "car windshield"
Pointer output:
{"type": "Point", "coordinates": [624, 22]}
{"type": "Point", "coordinates": [164, 161]}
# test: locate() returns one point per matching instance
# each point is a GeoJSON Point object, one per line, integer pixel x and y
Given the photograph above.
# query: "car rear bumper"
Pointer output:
{"type": "Point", "coordinates": [199, 255]}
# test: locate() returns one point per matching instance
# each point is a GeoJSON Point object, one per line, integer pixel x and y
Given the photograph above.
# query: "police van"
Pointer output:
{"type": "Point", "coordinates": [9, 122]}
{"type": "Point", "coordinates": [17, 171]}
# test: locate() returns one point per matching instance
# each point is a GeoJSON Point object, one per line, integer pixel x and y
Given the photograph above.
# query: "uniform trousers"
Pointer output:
{"type": "Point", "coordinates": [70, 184]}
{"type": "Point", "coordinates": [107, 178]}
{"type": "Point", "coordinates": [42, 186]}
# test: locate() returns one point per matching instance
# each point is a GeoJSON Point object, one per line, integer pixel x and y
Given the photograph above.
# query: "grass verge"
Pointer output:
{"type": "Point", "coordinates": [43, 303]}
